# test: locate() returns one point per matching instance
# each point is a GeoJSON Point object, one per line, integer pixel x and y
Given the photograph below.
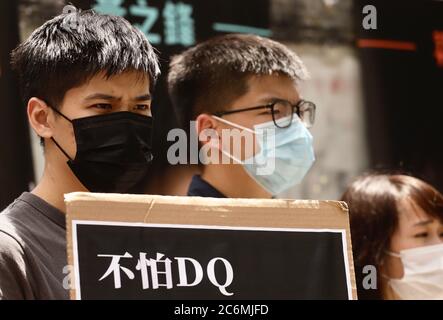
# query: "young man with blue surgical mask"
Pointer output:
{"type": "Point", "coordinates": [244, 84]}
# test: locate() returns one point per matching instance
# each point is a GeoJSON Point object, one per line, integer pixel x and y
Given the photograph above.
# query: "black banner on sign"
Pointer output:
{"type": "Point", "coordinates": [116, 260]}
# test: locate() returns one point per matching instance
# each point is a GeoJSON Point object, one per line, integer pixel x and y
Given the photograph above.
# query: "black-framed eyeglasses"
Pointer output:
{"type": "Point", "coordinates": [283, 112]}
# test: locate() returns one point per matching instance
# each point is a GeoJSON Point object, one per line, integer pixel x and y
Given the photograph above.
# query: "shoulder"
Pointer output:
{"type": "Point", "coordinates": [9, 230]}
{"type": "Point", "coordinates": [11, 244]}
{"type": "Point", "coordinates": [14, 282]}
{"type": "Point", "coordinates": [10, 248]}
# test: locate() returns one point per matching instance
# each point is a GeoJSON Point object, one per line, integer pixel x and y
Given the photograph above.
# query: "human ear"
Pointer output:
{"type": "Point", "coordinates": [206, 127]}
{"type": "Point", "coordinates": [39, 117]}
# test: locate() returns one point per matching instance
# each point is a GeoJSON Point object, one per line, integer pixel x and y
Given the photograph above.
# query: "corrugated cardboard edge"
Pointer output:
{"type": "Point", "coordinates": [212, 211]}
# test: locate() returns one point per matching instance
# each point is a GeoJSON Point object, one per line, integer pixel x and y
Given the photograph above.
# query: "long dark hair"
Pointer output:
{"type": "Point", "coordinates": [373, 208]}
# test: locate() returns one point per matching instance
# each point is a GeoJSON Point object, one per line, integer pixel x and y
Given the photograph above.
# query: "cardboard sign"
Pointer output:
{"type": "Point", "coordinates": [155, 247]}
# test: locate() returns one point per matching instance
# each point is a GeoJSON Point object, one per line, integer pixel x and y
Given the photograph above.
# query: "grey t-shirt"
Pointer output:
{"type": "Point", "coordinates": [32, 250]}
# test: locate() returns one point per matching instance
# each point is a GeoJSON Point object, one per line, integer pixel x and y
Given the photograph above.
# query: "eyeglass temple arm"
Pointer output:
{"type": "Point", "coordinates": [222, 113]}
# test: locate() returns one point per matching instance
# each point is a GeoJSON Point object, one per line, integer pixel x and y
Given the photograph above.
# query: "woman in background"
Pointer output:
{"type": "Point", "coordinates": [397, 226]}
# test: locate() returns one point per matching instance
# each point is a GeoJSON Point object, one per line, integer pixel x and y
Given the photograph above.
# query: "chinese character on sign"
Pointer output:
{"type": "Point", "coordinates": [112, 7]}
{"type": "Point", "coordinates": [143, 265]}
{"type": "Point", "coordinates": [159, 270]}
{"type": "Point", "coordinates": [115, 268]}
{"type": "Point", "coordinates": [438, 40]}
{"type": "Point", "coordinates": [179, 25]}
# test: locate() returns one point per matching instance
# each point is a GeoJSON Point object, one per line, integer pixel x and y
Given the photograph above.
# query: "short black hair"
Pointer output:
{"type": "Point", "coordinates": [68, 50]}
{"type": "Point", "coordinates": [214, 73]}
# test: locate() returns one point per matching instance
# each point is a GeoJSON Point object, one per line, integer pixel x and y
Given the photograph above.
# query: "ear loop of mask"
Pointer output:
{"type": "Point", "coordinates": [392, 254]}
{"type": "Point", "coordinates": [52, 138]}
{"type": "Point", "coordinates": [61, 114]}
{"type": "Point", "coordinates": [221, 147]}
{"type": "Point", "coordinates": [235, 126]}
{"type": "Point", "coordinates": [260, 132]}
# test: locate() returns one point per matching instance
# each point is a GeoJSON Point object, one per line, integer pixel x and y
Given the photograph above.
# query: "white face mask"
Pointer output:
{"type": "Point", "coordinates": [423, 273]}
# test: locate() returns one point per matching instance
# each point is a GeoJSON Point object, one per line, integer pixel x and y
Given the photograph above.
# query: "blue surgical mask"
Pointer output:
{"type": "Point", "coordinates": [285, 154]}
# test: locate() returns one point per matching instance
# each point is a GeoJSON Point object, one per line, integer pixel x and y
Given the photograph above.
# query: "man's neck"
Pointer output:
{"type": "Point", "coordinates": [57, 181]}
{"type": "Point", "coordinates": [233, 181]}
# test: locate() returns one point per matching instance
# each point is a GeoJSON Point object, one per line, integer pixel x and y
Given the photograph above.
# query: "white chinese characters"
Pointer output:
{"type": "Point", "coordinates": [156, 273]}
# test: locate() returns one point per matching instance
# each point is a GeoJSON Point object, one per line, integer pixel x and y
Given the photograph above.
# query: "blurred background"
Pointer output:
{"type": "Point", "coordinates": [378, 91]}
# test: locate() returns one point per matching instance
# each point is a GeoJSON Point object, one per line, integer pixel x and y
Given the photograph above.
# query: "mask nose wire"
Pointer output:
{"type": "Point", "coordinates": [52, 138]}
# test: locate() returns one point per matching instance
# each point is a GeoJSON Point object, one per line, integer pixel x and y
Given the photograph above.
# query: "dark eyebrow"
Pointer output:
{"type": "Point", "coordinates": [143, 97]}
{"type": "Point", "coordinates": [423, 223]}
{"type": "Point", "coordinates": [101, 96]}
{"type": "Point", "coordinates": [271, 99]}
{"type": "Point", "coordinates": [268, 100]}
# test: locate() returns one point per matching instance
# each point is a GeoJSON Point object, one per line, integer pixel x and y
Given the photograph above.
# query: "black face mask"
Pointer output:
{"type": "Point", "coordinates": [113, 151]}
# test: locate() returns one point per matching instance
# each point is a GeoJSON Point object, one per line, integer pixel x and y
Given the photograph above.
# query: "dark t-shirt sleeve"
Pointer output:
{"type": "Point", "coordinates": [13, 278]}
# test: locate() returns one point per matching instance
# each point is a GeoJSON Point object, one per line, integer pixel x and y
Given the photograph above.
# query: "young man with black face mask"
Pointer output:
{"type": "Point", "coordinates": [240, 88]}
{"type": "Point", "coordinates": [87, 80]}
